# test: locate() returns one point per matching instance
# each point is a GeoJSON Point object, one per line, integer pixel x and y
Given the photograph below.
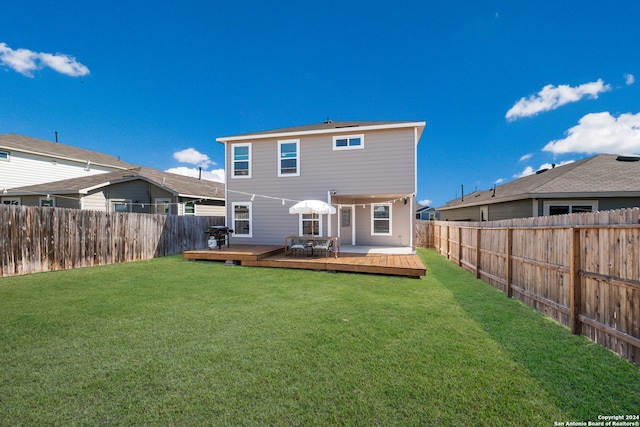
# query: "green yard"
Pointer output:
{"type": "Point", "coordinates": [176, 342]}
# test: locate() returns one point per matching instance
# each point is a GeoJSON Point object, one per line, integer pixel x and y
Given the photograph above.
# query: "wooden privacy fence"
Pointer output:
{"type": "Point", "coordinates": [582, 270]}
{"type": "Point", "coordinates": [38, 239]}
{"type": "Point", "coordinates": [424, 234]}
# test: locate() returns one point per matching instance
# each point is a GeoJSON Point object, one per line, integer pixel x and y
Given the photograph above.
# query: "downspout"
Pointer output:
{"type": "Point", "coordinates": [226, 178]}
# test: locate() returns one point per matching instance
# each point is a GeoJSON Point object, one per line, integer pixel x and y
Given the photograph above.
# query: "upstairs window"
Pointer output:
{"type": "Point", "coordinates": [4, 155]}
{"type": "Point", "coordinates": [241, 158]}
{"type": "Point", "coordinates": [289, 158]}
{"type": "Point", "coordinates": [349, 142]}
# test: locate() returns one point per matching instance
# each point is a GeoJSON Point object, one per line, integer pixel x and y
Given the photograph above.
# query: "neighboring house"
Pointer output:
{"type": "Point", "coordinates": [28, 161]}
{"type": "Point", "coordinates": [426, 213]}
{"type": "Point", "coordinates": [140, 189]}
{"type": "Point", "coordinates": [598, 183]}
{"type": "Point", "coordinates": [367, 170]}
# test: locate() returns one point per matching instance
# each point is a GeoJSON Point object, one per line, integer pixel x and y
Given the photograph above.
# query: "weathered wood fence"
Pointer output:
{"type": "Point", "coordinates": [38, 239]}
{"type": "Point", "coordinates": [582, 270]}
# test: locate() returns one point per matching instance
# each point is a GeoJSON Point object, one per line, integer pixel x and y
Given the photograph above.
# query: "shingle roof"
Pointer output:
{"type": "Point", "coordinates": [178, 184]}
{"type": "Point", "coordinates": [598, 176]}
{"type": "Point", "coordinates": [13, 142]}
{"type": "Point", "coordinates": [326, 126]}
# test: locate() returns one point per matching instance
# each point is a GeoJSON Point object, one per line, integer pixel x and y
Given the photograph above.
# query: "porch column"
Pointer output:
{"type": "Point", "coordinates": [329, 234]}
{"type": "Point", "coordinates": [353, 225]}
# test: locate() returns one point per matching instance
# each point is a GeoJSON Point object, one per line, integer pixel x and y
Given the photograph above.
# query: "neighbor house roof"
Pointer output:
{"type": "Point", "coordinates": [25, 144]}
{"type": "Point", "coordinates": [179, 185]}
{"type": "Point", "coordinates": [604, 175]}
{"type": "Point", "coordinates": [326, 127]}
{"type": "Point", "coordinates": [424, 208]}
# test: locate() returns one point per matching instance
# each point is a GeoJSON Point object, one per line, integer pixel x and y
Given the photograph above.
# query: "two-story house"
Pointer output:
{"type": "Point", "coordinates": [36, 172]}
{"type": "Point", "coordinates": [28, 161]}
{"type": "Point", "coordinates": [367, 170]}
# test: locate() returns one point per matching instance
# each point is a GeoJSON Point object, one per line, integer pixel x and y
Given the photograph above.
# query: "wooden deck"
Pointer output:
{"type": "Point", "coordinates": [273, 256]}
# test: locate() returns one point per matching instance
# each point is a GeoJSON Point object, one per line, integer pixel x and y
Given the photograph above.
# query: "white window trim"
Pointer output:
{"type": "Point", "coordinates": [233, 161]}
{"type": "Point", "coordinates": [233, 218]}
{"type": "Point", "coordinates": [112, 202]}
{"type": "Point", "coordinates": [162, 200]}
{"type": "Point", "coordinates": [53, 199]}
{"type": "Point", "coordinates": [484, 213]}
{"type": "Point", "coordinates": [301, 228]}
{"type": "Point", "coordinates": [12, 201]}
{"type": "Point", "coordinates": [7, 158]}
{"type": "Point", "coordinates": [373, 208]}
{"type": "Point", "coordinates": [297, 158]}
{"type": "Point", "coordinates": [348, 147]}
{"type": "Point", "coordinates": [570, 203]}
{"type": "Point", "coordinates": [184, 208]}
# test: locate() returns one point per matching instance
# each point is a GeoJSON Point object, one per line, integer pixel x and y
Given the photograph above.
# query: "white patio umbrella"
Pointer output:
{"type": "Point", "coordinates": [312, 207]}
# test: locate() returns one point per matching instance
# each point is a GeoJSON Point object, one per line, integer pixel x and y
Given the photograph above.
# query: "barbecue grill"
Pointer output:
{"type": "Point", "coordinates": [218, 235]}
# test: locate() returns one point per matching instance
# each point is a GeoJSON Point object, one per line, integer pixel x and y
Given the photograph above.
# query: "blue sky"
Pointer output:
{"type": "Point", "coordinates": [505, 87]}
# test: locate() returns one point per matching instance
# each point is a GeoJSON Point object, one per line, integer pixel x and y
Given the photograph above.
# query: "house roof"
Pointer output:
{"type": "Point", "coordinates": [326, 127]}
{"type": "Point", "coordinates": [25, 144]}
{"type": "Point", "coordinates": [424, 208]}
{"type": "Point", "coordinates": [604, 175]}
{"type": "Point", "coordinates": [179, 185]}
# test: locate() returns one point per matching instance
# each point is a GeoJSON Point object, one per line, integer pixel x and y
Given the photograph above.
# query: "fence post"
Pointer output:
{"type": "Point", "coordinates": [448, 242]}
{"type": "Point", "coordinates": [575, 287]}
{"type": "Point", "coordinates": [478, 230]}
{"type": "Point", "coordinates": [508, 266]}
{"type": "Point", "coordinates": [460, 246]}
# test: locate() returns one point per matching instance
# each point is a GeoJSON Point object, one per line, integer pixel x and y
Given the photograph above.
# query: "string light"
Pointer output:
{"type": "Point", "coordinates": [252, 197]}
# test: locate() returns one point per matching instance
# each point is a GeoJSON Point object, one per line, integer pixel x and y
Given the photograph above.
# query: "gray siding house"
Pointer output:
{"type": "Point", "coordinates": [366, 170]}
{"type": "Point", "coordinates": [598, 183]}
{"type": "Point", "coordinates": [139, 190]}
{"type": "Point", "coordinates": [426, 213]}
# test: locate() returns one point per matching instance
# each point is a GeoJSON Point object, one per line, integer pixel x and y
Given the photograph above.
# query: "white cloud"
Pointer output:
{"type": "Point", "coordinates": [526, 172]}
{"type": "Point", "coordinates": [629, 79]}
{"type": "Point", "coordinates": [499, 181]}
{"type": "Point", "coordinates": [526, 157]}
{"type": "Point", "coordinates": [212, 175]}
{"type": "Point", "coordinates": [530, 171]}
{"type": "Point", "coordinates": [25, 61]}
{"type": "Point", "coordinates": [193, 157]}
{"type": "Point", "coordinates": [552, 97]}
{"type": "Point", "coordinates": [425, 202]}
{"type": "Point", "coordinates": [600, 133]}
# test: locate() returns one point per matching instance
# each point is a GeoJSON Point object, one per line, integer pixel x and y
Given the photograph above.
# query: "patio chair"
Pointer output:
{"type": "Point", "coordinates": [298, 245]}
{"type": "Point", "coordinates": [325, 245]}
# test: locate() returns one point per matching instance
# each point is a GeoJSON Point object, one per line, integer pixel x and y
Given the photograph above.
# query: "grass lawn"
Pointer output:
{"type": "Point", "coordinates": [175, 342]}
